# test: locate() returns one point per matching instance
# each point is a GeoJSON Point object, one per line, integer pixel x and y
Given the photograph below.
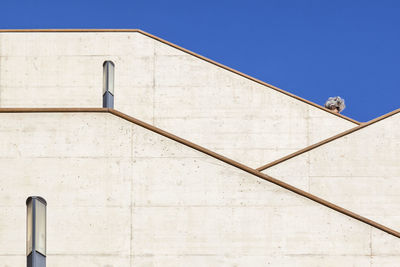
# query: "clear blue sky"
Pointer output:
{"type": "Point", "coordinates": [314, 49]}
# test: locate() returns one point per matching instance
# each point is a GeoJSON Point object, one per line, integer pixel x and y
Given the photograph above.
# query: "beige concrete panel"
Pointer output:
{"type": "Point", "coordinates": [13, 230]}
{"type": "Point", "coordinates": [355, 159]}
{"type": "Point", "coordinates": [387, 261]}
{"type": "Point", "coordinates": [105, 182]}
{"type": "Point", "coordinates": [322, 125]}
{"type": "Point", "coordinates": [51, 72]}
{"type": "Point", "coordinates": [293, 172]}
{"type": "Point", "coordinates": [66, 260]}
{"type": "Point", "coordinates": [318, 261]}
{"type": "Point", "coordinates": [203, 182]}
{"type": "Point", "coordinates": [56, 97]}
{"type": "Point", "coordinates": [162, 49]}
{"type": "Point", "coordinates": [13, 261]}
{"type": "Point", "coordinates": [151, 260]}
{"type": "Point", "coordinates": [247, 230]}
{"type": "Point", "coordinates": [147, 144]}
{"type": "Point", "coordinates": [169, 70]}
{"type": "Point", "coordinates": [235, 260]}
{"type": "Point", "coordinates": [243, 148]}
{"type": "Point", "coordinates": [372, 150]}
{"type": "Point", "coordinates": [57, 81]}
{"type": "Point", "coordinates": [132, 71]}
{"type": "Point", "coordinates": [88, 230]}
{"type": "Point", "coordinates": [383, 244]}
{"type": "Point", "coordinates": [370, 193]}
{"type": "Point", "coordinates": [89, 260]}
{"type": "Point", "coordinates": [226, 129]}
{"type": "Point", "coordinates": [134, 81]}
{"type": "Point", "coordinates": [134, 101]}
{"type": "Point", "coordinates": [55, 44]}
{"type": "Point", "coordinates": [253, 99]}
{"type": "Point", "coordinates": [84, 135]}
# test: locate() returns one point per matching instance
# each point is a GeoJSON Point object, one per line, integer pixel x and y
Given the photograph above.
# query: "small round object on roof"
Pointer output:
{"type": "Point", "coordinates": [335, 102]}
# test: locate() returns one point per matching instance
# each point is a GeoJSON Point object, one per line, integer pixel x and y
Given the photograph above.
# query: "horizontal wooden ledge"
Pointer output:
{"type": "Point", "coordinates": [27, 110]}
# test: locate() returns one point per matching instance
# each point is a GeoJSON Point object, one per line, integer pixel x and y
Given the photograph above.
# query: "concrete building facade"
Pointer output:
{"type": "Point", "coordinates": [167, 86]}
{"type": "Point", "coordinates": [168, 178]}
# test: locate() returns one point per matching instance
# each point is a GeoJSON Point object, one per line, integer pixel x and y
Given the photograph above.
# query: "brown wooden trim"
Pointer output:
{"type": "Point", "coordinates": [193, 54]}
{"type": "Point", "coordinates": [323, 142]}
{"type": "Point", "coordinates": [70, 30]}
{"type": "Point", "coordinates": [51, 110]}
{"type": "Point", "coordinates": [217, 156]}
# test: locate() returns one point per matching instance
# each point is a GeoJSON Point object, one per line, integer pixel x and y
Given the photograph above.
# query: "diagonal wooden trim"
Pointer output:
{"type": "Point", "coordinates": [330, 139]}
{"type": "Point", "coordinates": [191, 53]}
{"type": "Point", "coordinates": [256, 173]}
{"type": "Point", "coordinates": [214, 155]}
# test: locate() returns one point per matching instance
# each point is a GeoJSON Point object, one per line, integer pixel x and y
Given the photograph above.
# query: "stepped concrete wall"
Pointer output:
{"type": "Point", "coordinates": [359, 171]}
{"type": "Point", "coordinates": [121, 195]}
{"type": "Point", "coordinates": [163, 86]}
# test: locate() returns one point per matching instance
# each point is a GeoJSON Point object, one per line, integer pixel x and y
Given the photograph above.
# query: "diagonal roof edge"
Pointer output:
{"type": "Point", "coordinates": [193, 54]}
{"type": "Point", "coordinates": [214, 155]}
{"type": "Point", "coordinates": [330, 139]}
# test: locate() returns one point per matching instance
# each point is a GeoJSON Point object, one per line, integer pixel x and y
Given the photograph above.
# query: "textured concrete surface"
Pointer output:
{"type": "Point", "coordinates": [120, 195]}
{"type": "Point", "coordinates": [360, 171]}
{"type": "Point", "coordinates": [164, 86]}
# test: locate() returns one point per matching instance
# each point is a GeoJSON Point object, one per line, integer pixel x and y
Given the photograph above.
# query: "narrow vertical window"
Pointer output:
{"type": "Point", "coordinates": [108, 84]}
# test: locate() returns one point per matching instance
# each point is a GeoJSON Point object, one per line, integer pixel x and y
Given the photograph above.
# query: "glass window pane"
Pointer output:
{"type": "Point", "coordinates": [40, 237]}
{"type": "Point", "coordinates": [29, 228]}
{"type": "Point", "coordinates": [104, 77]}
{"type": "Point", "coordinates": [111, 78]}
{"type": "Point", "coordinates": [108, 77]}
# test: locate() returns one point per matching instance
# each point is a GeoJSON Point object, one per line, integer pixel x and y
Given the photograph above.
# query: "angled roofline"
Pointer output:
{"type": "Point", "coordinates": [330, 139]}
{"type": "Point", "coordinates": [214, 155]}
{"type": "Point", "coordinates": [188, 52]}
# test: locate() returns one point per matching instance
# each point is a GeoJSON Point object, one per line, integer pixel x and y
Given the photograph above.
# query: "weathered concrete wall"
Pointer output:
{"type": "Point", "coordinates": [120, 195]}
{"type": "Point", "coordinates": [81, 165]}
{"type": "Point", "coordinates": [360, 171]}
{"type": "Point", "coordinates": [164, 86]}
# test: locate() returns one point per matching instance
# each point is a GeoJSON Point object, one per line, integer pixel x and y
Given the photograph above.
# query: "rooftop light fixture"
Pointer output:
{"type": "Point", "coordinates": [36, 232]}
{"type": "Point", "coordinates": [108, 84]}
